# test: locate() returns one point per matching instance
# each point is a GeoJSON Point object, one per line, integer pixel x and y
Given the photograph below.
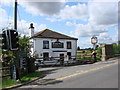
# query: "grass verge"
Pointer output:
{"type": "Point", "coordinates": [10, 82]}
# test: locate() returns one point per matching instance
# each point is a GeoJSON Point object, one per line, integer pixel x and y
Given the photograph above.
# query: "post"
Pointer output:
{"type": "Point", "coordinates": [15, 16]}
{"type": "Point", "coordinates": [17, 64]}
{"type": "Point", "coordinates": [107, 51]}
{"type": "Point", "coordinates": [94, 42]}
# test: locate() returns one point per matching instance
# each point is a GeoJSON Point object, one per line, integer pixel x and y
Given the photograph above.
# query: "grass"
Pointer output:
{"type": "Point", "coordinates": [10, 82]}
{"type": "Point", "coordinates": [30, 77]}
{"type": "Point", "coordinates": [86, 55]}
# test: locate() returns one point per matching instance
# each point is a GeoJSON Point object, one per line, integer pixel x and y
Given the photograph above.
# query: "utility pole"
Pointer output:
{"type": "Point", "coordinates": [17, 64]}
{"type": "Point", "coordinates": [15, 16]}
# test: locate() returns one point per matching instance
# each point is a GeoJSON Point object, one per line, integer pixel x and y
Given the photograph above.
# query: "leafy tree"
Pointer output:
{"type": "Point", "coordinates": [116, 48]}
{"type": "Point", "coordinates": [24, 45]}
{"type": "Point", "coordinates": [10, 57]}
{"type": "Point", "coordinates": [78, 48]}
{"type": "Point", "coordinates": [99, 51]}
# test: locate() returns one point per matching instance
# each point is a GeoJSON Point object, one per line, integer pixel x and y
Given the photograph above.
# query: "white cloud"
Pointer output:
{"type": "Point", "coordinates": [102, 16]}
{"type": "Point", "coordinates": [118, 34]}
{"type": "Point", "coordinates": [40, 27]}
{"type": "Point", "coordinates": [79, 11]}
{"type": "Point", "coordinates": [22, 27]}
{"type": "Point", "coordinates": [5, 20]}
{"type": "Point", "coordinates": [86, 43]}
{"type": "Point", "coordinates": [53, 19]}
{"type": "Point", "coordinates": [43, 8]}
{"type": "Point", "coordinates": [107, 38]}
{"type": "Point", "coordinates": [75, 12]}
{"type": "Point", "coordinates": [103, 13]}
{"type": "Point", "coordinates": [119, 12]}
{"type": "Point", "coordinates": [86, 30]}
{"type": "Point", "coordinates": [2, 20]}
{"type": "Point", "coordinates": [69, 24]}
{"type": "Point", "coordinates": [6, 2]}
{"type": "Point", "coordinates": [104, 0]}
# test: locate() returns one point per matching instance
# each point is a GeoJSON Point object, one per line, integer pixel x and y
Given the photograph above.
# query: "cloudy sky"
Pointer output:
{"type": "Point", "coordinates": [78, 18]}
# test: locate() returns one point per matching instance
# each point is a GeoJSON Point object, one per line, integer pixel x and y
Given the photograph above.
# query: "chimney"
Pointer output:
{"type": "Point", "coordinates": [31, 30]}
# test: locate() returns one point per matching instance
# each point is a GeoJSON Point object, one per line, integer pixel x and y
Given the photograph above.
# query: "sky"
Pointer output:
{"type": "Point", "coordinates": [82, 19]}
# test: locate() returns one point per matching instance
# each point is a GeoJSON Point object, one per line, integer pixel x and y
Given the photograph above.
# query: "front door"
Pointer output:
{"type": "Point", "coordinates": [45, 56]}
{"type": "Point", "coordinates": [69, 54]}
{"type": "Point", "coordinates": [61, 59]}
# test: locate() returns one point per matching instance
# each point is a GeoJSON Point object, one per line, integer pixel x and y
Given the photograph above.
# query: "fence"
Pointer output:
{"type": "Point", "coordinates": [64, 60]}
{"type": "Point", "coordinates": [5, 73]}
{"type": "Point", "coordinates": [55, 60]}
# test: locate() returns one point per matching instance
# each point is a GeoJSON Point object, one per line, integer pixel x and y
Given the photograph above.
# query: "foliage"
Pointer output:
{"type": "Point", "coordinates": [8, 83]}
{"type": "Point", "coordinates": [30, 76]}
{"type": "Point", "coordinates": [99, 51]}
{"type": "Point", "coordinates": [78, 48]}
{"type": "Point", "coordinates": [116, 48]}
{"type": "Point", "coordinates": [24, 44]}
{"type": "Point", "coordinates": [9, 57]}
{"type": "Point", "coordinates": [26, 78]}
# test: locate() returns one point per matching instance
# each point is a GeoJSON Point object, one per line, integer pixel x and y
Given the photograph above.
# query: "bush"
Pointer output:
{"type": "Point", "coordinates": [116, 48]}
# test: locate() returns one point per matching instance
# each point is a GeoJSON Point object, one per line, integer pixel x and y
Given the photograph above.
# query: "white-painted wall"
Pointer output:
{"type": "Point", "coordinates": [38, 47]}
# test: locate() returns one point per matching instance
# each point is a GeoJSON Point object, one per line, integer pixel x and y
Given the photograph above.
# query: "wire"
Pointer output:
{"type": "Point", "coordinates": [20, 20]}
{"type": "Point", "coordinates": [8, 19]}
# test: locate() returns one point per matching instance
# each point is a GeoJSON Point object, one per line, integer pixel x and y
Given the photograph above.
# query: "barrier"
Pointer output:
{"type": "Point", "coordinates": [55, 61]}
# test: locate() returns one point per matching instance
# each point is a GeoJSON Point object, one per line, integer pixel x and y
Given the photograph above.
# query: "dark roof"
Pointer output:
{"type": "Point", "coordinates": [51, 34]}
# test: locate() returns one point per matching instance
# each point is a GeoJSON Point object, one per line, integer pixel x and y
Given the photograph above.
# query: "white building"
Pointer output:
{"type": "Point", "coordinates": [48, 43]}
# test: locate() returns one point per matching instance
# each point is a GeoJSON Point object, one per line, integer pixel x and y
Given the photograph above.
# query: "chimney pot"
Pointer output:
{"type": "Point", "coordinates": [31, 25]}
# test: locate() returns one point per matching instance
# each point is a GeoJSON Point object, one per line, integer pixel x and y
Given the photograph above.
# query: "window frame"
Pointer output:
{"type": "Point", "coordinates": [45, 47]}
{"type": "Point", "coordinates": [69, 42]}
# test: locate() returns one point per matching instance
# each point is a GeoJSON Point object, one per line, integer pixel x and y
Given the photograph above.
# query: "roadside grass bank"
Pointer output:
{"type": "Point", "coordinates": [10, 82]}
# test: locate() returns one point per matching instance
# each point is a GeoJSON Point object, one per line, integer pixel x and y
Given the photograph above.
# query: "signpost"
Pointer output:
{"type": "Point", "coordinates": [23, 62]}
{"type": "Point", "coordinates": [94, 41]}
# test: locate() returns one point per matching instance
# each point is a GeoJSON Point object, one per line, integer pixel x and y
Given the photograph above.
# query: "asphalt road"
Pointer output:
{"type": "Point", "coordinates": [98, 75]}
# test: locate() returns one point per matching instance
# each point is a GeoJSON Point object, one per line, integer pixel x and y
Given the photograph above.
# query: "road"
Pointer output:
{"type": "Point", "coordinates": [98, 75]}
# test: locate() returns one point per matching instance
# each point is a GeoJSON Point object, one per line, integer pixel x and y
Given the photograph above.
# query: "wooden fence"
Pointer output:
{"type": "Point", "coordinates": [62, 60]}
{"type": "Point", "coordinates": [5, 72]}
{"type": "Point", "coordinates": [55, 60]}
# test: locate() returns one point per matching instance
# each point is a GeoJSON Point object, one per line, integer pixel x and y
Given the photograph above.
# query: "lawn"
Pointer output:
{"type": "Point", "coordinates": [10, 82]}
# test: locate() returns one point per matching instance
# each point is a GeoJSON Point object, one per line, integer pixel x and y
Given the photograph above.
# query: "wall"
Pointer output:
{"type": "Point", "coordinates": [107, 51]}
{"type": "Point", "coordinates": [38, 47]}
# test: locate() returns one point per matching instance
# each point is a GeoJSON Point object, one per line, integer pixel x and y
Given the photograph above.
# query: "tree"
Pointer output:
{"type": "Point", "coordinates": [78, 48]}
{"type": "Point", "coordinates": [9, 57]}
{"type": "Point", "coordinates": [99, 51]}
{"type": "Point", "coordinates": [24, 45]}
{"type": "Point", "coordinates": [116, 48]}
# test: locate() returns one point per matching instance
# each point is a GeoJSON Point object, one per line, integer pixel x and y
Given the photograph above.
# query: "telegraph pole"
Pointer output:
{"type": "Point", "coordinates": [17, 64]}
{"type": "Point", "coordinates": [15, 16]}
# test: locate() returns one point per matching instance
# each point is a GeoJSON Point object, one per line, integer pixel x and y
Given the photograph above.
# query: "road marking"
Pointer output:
{"type": "Point", "coordinates": [80, 73]}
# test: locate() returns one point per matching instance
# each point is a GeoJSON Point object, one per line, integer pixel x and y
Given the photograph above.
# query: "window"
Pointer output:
{"type": "Point", "coordinates": [69, 45]}
{"type": "Point", "coordinates": [57, 45]}
{"type": "Point", "coordinates": [45, 44]}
